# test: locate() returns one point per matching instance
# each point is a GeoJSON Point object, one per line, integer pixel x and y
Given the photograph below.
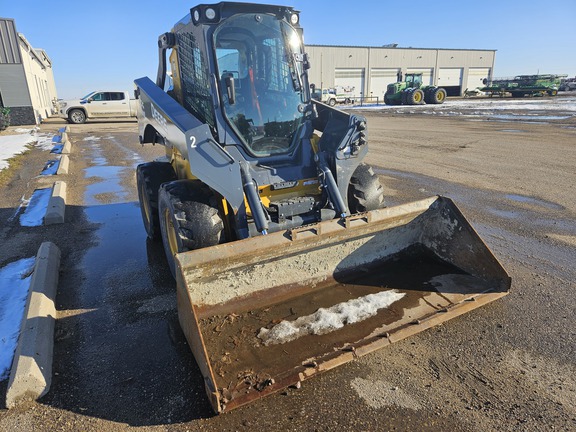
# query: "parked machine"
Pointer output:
{"type": "Point", "coordinates": [411, 91]}
{"type": "Point", "coordinates": [287, 263]}
{"type": "Point", "coordinates": [524, 85]}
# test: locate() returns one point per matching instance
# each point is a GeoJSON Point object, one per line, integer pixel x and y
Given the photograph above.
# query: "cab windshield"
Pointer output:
{"type": "Point", "coordinates": [259, 66]}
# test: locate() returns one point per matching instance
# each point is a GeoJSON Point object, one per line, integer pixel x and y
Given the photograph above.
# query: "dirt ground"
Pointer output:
{"type": "Point", "coordinates": [121, 361]}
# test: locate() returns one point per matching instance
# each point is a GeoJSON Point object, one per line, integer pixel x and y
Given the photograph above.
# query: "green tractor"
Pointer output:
{"type": "Point", "coordinates": [412, 92]}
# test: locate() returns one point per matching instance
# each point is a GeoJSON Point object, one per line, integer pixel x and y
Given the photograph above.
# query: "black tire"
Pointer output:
{"type": "Point", "coordinates": [332, 102]}
{"type": "Point", "coordinates": [437, 95]}
{"type": "Point", "coordinates": [428, 95]}
{"type": "Point", "coordinates": [365, 193]}
{"type": "Point", "coordinates": [149, 178]}
{"type": "Point", "coordinates": [189, 218]}
{"type": "Point", "coordinates": [405, 95]}
{"type": "Point", "coordinates": [388, 99]}
{"type": "Point", "coordinates": [415, 97]}
{"type": "Point", "coordinates": [77, 116]}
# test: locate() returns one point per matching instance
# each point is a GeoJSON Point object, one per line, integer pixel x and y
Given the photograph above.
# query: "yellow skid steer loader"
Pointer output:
{"type": "Point", "coordinates": [287, 262]}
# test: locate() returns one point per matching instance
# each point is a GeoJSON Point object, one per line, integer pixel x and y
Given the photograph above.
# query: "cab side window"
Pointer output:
{"type": "Point", "coordinates": [98, 97]}
{"type": "Point", "coordinates": [116, 96]}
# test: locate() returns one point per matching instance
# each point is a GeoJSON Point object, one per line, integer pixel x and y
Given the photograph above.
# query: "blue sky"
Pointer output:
{"type": "Point", "coordinates": [101, 44]}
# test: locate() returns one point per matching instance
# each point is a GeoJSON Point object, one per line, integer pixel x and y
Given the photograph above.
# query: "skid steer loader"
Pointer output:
{"type": "Point", "coordinates": [287, 262]}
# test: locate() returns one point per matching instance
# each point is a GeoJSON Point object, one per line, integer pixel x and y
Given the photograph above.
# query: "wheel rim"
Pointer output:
{"type": "Point", "coordinates": [417, 97]}
{"type": "Point", "coordinates": [77, 117]}
{"type": "Point", "coordinates": [440, 97]}
{"type": "Point", "coordinates": [170, 233]}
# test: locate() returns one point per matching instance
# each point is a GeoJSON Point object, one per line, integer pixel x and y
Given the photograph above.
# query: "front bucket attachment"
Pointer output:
{"type": "Point", "coordinates": [268, 312]}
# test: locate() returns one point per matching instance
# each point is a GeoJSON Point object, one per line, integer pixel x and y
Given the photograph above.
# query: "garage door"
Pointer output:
{"type": "Point", "coordinates": [350, 78]}
{"type": "Point", "coordinates": [451, 80]}
{"type": "Point", "coordinates": [448, 77]}
{"type": "Point", "coordinates": [380, 78]}
{"type": "Point", "coordinates": [426, 74]}
{"type": "Point", "coordinates": [476, 76]}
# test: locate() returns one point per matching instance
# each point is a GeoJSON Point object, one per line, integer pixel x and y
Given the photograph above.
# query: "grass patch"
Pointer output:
{"type": "Point", "coordinates": [14, 164]}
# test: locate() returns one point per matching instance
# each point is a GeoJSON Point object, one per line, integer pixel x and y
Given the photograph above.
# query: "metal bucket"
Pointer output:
{"type": "Point", "coordinates": [268, 312]}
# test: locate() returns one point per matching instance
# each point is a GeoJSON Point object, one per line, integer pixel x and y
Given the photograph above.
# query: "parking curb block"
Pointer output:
{"type": "Point", "coordinates": [63, 165]}
{"type": "Point", "coordinates": [56, 205]}
{"type": "Point", "coordinates": [66, 147]}
{"type": "Point", "coordinates": [31, 373]}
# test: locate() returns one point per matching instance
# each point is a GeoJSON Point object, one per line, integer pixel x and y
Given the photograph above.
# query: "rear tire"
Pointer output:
{"type": "Point", "coordinates": [365, 193]}
{"type": "Point", "coordinates": [149, 178]}
{"type": "Point", "coordinates": [437, 96]}
{"type": "Point", "coordinates": [415, 97]}
{"type": "Point", "coordinates": [189, 218]}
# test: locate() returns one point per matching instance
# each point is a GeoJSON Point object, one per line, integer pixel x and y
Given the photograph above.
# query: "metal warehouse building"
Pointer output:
{"type": "Point", "coordinates": [368, 70]}
{"type": "Point", "coordinates": [26, 79]}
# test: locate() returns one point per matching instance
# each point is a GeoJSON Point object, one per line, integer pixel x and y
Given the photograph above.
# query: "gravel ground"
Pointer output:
{"type": "Point", "coordinates": [121, 361]}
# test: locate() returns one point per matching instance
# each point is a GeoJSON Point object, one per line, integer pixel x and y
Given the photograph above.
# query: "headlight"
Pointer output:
{"type": "Point", "coordinates": [294, 19]}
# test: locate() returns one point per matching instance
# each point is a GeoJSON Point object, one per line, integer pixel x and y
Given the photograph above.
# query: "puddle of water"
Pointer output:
{"type": "Point", "coordinates": [36, 208]}
{"type": "Point", "coordinates": [513, 130]}
{"type": "Point", "coordinates": [51, 167]}
{"type": "Point", "coordinates": [14, 285]}
{"type": "Point", "coordinates": [526, 117]}
{"type": "Point", "coordinates": [109, 185]}
{"type": "Point", "coordinates": [504, 214]}
{"type": "Point", "coordinates": [534, 201]}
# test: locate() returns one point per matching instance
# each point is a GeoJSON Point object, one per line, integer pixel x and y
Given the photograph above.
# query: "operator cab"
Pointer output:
{"type": "Point", "coordinates": [260, 62]}
{"type": "Point", "coordinates": [413, 80]}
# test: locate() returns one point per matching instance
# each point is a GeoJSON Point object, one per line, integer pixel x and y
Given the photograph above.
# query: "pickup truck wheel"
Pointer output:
{"type": "Point", "coordinates": [189, 218]}
{"type": "Point", "coordinates": [365, 192]}
{"type": "Point", "coordinates": [332, 102]}
{"type": "Point", "coordinates": [77, 116]}
{"type": "Point", "coordinates": [149, 178]}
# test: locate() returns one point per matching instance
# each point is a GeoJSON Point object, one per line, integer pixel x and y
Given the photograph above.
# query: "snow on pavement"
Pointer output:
{"type": "Point", "coordinates": [36, 208]}
{"type": "Point", "coordinates": [529, 108]}
{"type": "Point", "coordinates": [14, 287]}
{"type": "Point", "coordinates": [12, 145]}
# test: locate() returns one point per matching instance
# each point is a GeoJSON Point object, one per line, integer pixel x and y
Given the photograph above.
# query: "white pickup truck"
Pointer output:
{"type": "Point", "coordinates": [99, 104]}
{"type": "Point", "coordinates": [332, 96]}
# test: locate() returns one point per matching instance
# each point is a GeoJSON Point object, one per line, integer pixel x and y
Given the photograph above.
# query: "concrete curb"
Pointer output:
{"type": "Point", "coordinates": [31, 373]}
{"type": "Point", "coordinates": [66, 143]}
{"type": "Point", "coordinates": [64, 165]}
{"type": "Point", "coordinates": [57, 204]}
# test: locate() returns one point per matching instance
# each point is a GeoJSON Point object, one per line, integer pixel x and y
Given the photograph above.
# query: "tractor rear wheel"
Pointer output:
{"type": "Point", "coordinates": [149, 178]}
{"type": "Point", "coordinates": [189, 218]}
{"type": "Point", "coordinates": [365, 192]}
{"type": "Point", "coordinates": [416, 97]}
{"type": "Point", "coordinates": [437, 95]}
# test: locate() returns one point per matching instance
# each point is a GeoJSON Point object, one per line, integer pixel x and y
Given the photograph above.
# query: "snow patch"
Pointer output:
{"type": "Point", "coordinates": [11, 145]}
{"type": "Point", "coordinates": [327, 320]}
{"type": "Point", "coordinates": [14, 286]}
{"type": "Point", "coordinates": [36, 208]}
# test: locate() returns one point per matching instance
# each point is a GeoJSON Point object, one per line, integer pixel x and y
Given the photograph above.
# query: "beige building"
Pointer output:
{"type": "Point", "coordinates": [369, 70]}
{"type": "Point", "coordinates": [27, 84]}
